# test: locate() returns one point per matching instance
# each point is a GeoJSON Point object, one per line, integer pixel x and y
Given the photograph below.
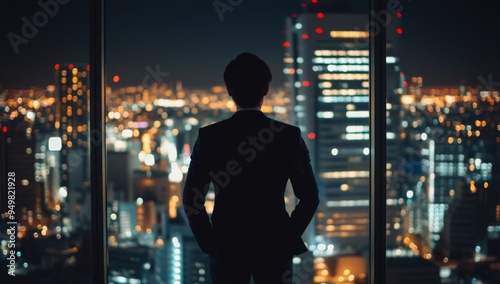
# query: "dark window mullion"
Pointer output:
{"type": "Point", "coordinates": [377, 143]}
{"type": "Point", "coordinates": [97, 143]}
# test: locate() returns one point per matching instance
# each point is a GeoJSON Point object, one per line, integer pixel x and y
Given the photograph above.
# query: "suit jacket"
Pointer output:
{"type": "Point", "coordinates": [249, 159]}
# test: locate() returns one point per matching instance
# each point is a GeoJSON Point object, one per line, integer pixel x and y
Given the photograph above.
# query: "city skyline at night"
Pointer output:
{"type": "Point", "coordinates": [133, 114]}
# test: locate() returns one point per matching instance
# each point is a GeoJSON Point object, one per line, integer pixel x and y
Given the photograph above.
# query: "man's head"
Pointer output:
{"type": "Point", "coordinates": [247, 79]}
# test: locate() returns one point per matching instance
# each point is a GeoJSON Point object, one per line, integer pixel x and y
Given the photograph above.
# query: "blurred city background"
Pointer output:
{"type": "Point", "coordinates": [443, 137]}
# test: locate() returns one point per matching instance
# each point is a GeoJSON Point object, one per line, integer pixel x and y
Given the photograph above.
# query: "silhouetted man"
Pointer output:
{"type": "Point", "coordinates": [249, 159]}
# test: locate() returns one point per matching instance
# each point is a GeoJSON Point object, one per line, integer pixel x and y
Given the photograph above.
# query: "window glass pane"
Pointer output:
{"type": "Point", "coordinates": [328, 67]}
{"type": "Point", "coordinates": [45, 232]}
{"type": "Point", "coordinates": [165, 64]}
{"type": "Point", "coordinates": [442, 145]}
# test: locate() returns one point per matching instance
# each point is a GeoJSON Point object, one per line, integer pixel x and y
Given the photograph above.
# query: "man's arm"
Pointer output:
{"type": "Point", "coordinates": [195, 190]}
{"type": "Point", "coordinates": [304, 187]}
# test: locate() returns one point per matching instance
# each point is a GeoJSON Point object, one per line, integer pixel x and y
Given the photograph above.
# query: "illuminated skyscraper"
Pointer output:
{"type": "Point", "coordinates": [127, 218]}
{"type": "Point", "coordinates": [327, 65]}
{"type": "Point", "coordinates": [72, 121]}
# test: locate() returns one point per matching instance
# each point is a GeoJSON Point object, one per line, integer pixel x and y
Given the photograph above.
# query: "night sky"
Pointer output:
{"type": "Point", "coordinates": [443, 41]}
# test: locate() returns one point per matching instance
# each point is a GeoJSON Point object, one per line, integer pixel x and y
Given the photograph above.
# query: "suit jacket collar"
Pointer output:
{"type": "Point", "coordinates": [248, 108]}
{"type": "Point", "coordinates": [248, 113]}
{"type": "Point", "coordinates": [248, 117]}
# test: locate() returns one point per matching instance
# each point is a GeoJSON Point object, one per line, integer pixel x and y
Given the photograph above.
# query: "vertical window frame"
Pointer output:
{"type": "Point", "coordinates": [97, 100]}
{"type": "Point", "coordinates": [377, 253]}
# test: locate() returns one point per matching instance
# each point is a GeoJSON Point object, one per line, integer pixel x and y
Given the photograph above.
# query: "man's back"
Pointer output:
{"type": "Point", "coordinates": [249, 158]}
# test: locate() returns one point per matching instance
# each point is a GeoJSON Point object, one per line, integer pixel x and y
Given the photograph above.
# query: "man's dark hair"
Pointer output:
{"type": "Point", "coordinates": [247, 79]}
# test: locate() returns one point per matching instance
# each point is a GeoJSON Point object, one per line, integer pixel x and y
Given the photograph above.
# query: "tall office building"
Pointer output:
{"type": "Point", "coordinates": [72, 85]}
{"type": "Point", "coordinates": [327, 65]}
{"type": "Point", "coordinates": [127, 218]}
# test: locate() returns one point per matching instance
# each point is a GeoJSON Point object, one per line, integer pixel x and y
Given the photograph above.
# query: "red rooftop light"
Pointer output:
{"type": "Point", "coordinates": [305, 36]}
{"type": "Point", "coordinates": [314, 1]}
{"type": "Point", "coordinates": [57, 66]}
{"type": "Point", "coordinates": [286, 44]}
{"type": "Point", "coordinates": [305, 83]}
{"type": "Point", "coordinates": [311, 135]}
{"type": "Point", "coordinates": [399, 15]}
{"type": "Point", "coordinates": [88, 67]}
{"type": "Point", "coordinates": [319, 30]}
{"type": "Point", "coordinates": [4, 129]}
{"type": "Point", "coordinates": [320, 15]}
{"type": "Point", "coordinates": [71, 66]}
{"type": "Point", "coordinates": [399, 31]}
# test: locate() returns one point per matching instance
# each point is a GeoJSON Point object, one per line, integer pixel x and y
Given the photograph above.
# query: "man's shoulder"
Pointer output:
{"type": "Point", "coordinates": [283, 124]}
{"type": "Point", "coordinates": [214, 126]}
{"type": "Point", "coordinates": [280, 126]}
{"type": "Point", "coordinates": [264, 122]}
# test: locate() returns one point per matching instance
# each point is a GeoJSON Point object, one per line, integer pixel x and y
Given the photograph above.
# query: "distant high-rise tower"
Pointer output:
{"type": "Point", "coordinates": [72, 121]}
{"type": "Point", "coordinates": [327, 65]}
